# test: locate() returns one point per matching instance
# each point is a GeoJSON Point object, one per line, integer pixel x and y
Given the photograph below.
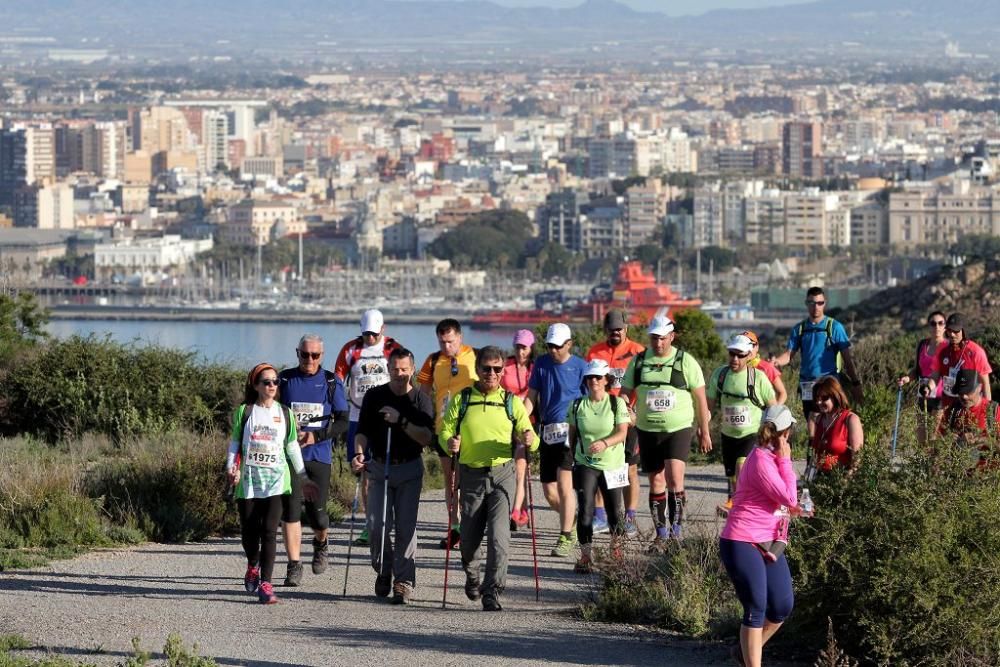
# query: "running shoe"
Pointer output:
{"type": "Point", "coordinates": [294, 575]}
{"type": "Point", "coordinates": [251, 580]}
{"type": "Point", "coordinates": [383, 585]}
{"type": "Point", "coordinates": [600, 525]}
{"type": "Point", "coordinates": [584, 566]}
{"type": "Point", "coordinates": [401, 592]}
{"type": "Point", "coordinates": [362, 539]}
{"type": "Point", "coordinates": [452, 541]}
{"type": "Point", "coordinates": [320, 559]}
{"type": "Point", "coordinates": [563, 547]}
{"type": "Point", "coordinates": [265, 593]}
{"type": "Point", "coordinates": [631, 530]}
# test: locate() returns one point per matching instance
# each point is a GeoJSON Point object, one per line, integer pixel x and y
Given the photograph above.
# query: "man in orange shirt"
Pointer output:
{"type": "Point", "coordinates": [618, 350]}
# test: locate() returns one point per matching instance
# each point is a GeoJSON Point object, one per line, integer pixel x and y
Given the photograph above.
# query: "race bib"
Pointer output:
{"type": "Point", "coordinates": [736, 415]}
{"type": "Point", "coordinates": [264, 454]}
{"type": "Point", "coordinates": [618, 374]}
{"type": "Point", "coordinates": [616, 478]}
{"type": "Point", "coordinates": [556, 434]}
{"type": "Point", "coordinates": [660, 400]}
{"type": "Point", "coordinates": [806, 388]}
{"type": "Point", "coordinates": [948, 383]}
{"type": "Point", "coordinates": [304, 412]}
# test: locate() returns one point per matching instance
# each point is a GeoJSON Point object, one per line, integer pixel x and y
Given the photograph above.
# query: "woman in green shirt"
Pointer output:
{"type": "Point", "coordinates": [598, 424]}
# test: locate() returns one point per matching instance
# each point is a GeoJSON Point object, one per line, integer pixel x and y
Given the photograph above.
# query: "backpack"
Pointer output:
{"type": "Point", "coordinates": [800, 330]}
{"type": "Point", "coordinates": [751, 388]}
{"type": "Point", "coordinates": [245, 417]}
{"type": "Point", "coordinates": [677, 380]}
{"type": "Point", "coordinates": [576, 419]}
{"type": "Point", "coordinates": [466, 403]}
{"type": "Point", "coordinates": [388, 346]}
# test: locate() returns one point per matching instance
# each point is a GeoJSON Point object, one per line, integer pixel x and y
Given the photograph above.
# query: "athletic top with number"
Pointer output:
{"type": "Point", "coordinates": [414, 406]}
{"type": "Point", "coordinates": [447, 377]}
{"type": "Point", "coordinates": [486, 429]}
{"type": "Point", "coordinates": [766, 483]}
{"type": "Point", "coordinates": [362, 367]}
{"type": "Point", "coordinates": [309, 396]}
{"type": "Point", "coordinates": [818, 351]}
{"type": "Point", "coordinates": [949, 361]}
{"type": "Point", "coordinates": [557, 385]}
{"type": "Point", "coordinates": [660, 407]}
{"type": "Point", "coordinates": [594, 421]}
{"type": "Point", "coordinates": [740, 417]}
{"type": "Point", "coordinates": [515, 377]}
{"type": "Point", "coordinates": [618, 358]}
{"type": "Point", "coordinates": [269, 445]}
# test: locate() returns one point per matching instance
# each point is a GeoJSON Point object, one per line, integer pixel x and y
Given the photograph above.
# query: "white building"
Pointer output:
{"type": "Point", "coordinates": [55, 207]}
{"type": "Point", "coordinates": [215, 138]}
{"type": "Point", "coordinates": [147, 257]}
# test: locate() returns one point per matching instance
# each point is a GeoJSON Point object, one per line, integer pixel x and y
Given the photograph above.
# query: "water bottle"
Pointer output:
{"type": "Point", "coordinates": [805, 502]}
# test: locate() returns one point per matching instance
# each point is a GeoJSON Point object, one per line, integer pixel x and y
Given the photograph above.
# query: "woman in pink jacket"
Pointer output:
{"type": "Point", "coordinates": [752, 542]}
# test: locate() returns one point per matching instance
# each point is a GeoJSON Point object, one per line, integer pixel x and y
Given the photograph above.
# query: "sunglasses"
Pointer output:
{"type": "Point", "coordinates": [309, 355]}
{"type": "Point", "coordinates": [815, 303]}
{"type": "Point", "coordinates": [936, 323]}
{"type": "Point", "coordinates": [369, 334]}
{"type": "Point", "coordinates": [953, 332]}
{"type": "Point", "coordinates": [593, 377]}
{"type": "Point", "coordinates": [454, 367]}
{"type": "Point", "coordinates": [553, 346]}
{"type": "Point", "coordinates": [268, 382]}
{"type": "Point", "coordinates": [496, 370]}
{"type": "Point", "coordinates": [739, 355]}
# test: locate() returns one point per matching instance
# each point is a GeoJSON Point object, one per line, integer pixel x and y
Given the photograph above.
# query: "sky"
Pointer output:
{"type": "Point", "coordinates": [671, 7]}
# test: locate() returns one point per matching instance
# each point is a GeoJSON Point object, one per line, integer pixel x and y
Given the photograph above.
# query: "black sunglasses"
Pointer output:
{"type": "Point", "coordinates": [268, 382]}
{"type": "Point", "coordinates": [454, 367]}
{"type": "Point", "coordinates": [815, 303]}
{"type": "Point", "coordinates": [739, 355]}
{"type": "Point", "coordinates": [309, 355]}
{"type": "Point", "coordinates": [497, 370]}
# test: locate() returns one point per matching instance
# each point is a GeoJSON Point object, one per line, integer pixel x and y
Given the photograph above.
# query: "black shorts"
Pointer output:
{"type": "Point", "coordinates": [928, 404]}
{"type": "Point", "coordinates": [291, 506]}
{"type": "Point", "coordinates": [632, 446]}
{"type": "Point", "coordinates": [734, 449]}
{"type": "Point", "coordinates": [656, 447]}
{"type": "Point", "coordinates": [552, 459]}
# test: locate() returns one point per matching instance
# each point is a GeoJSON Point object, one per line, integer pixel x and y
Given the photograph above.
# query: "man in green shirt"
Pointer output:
{"type": "Point", "coordinates": [487, 428]}
{"type": "Point", "coordinates": [668, 388]}
{"type": "Point", "coordinates": [742, 392]}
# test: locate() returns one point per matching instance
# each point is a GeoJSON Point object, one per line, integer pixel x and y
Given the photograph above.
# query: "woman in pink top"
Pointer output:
{"type": "Point", "coordinates": [929, 401]}
{"type": "Point", "coordinates": [516, 372]}
{"type": "Point", "coordinates": [752, 542]}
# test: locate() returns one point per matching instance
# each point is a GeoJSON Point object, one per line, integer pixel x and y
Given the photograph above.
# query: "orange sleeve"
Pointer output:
{"type": "Point", "coordinates": [426, 374]}
{"type": "Point", "coordinates": [342, 368]}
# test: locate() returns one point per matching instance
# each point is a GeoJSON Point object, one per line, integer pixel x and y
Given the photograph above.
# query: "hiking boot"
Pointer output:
{"type": "Point", "coordinates": [401, 592]}
{"type": "Point", "coordinates": [491, 602]}
{"type": "Point", "coordinates": [472, 587]}
{"type": "Point", "coordinates": [631, 530]}
{"type": "Point", "coordinates": [452, 541]}
{"type": "Point", "coordinates": [265, 593]}
{"type": "Point", "coordinates": [320, 559]}
{"type": "Point", "coordinates": [294, 575]}
{"type": "Point", "coordinates": [362, 539]}
{"type": "Point", "coordinates": [383, 585]}
{"type": "Point", "coordinates": [584, 566]}
{"type": "Point", "coordinates": [600, 525]}
{"type": "Point", "coordinates": [251, 580]}
{"type": "Point", "coordinates": [563, 547]}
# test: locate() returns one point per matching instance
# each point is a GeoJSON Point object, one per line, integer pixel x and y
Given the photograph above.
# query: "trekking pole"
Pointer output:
{"type": "Point", "coordinates": [447, 553]}
{"type": "Point", "coordinates": [895, 429]}
{"type": "Point", "coordinates": [385, 500]}
{"type": "Point", "coordinates": [531, 512]}
{"type": "Point", "coordinates": [350, 540]}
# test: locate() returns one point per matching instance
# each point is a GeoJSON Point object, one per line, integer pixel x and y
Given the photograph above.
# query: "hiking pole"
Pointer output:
{"type": "Point", "coordinates": [447, 553]}
{"type": "Point", "coordinates": [531, 512]}
{"type": "Point", "coordinates": [895, 429]}
{"type": "Point", "coordinates": [385, 500]}
{"type": "Point", "coordinates": [350, 539]}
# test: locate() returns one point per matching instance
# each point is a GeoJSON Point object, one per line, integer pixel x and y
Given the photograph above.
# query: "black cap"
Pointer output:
{"type": "Point", "coordinates": [615, 319]}
{"type": "Point", "coordinates": [966, 382]}
{"type": "Point", "coordinates": [954, 322]}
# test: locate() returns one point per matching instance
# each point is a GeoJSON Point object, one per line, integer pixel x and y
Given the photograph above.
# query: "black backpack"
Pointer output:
{"type": "Point", "coordinates": [677, 380]}
{"type": "Point", "coordinates": [751, 388]}
{"type": "Point", "coordinates": [466, 403]}
{"type": "Point", "coordinates": [576, 418]}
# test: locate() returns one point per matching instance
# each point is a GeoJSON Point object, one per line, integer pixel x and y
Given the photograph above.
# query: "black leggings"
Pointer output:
{"type": "Point", "coordinates": [259, 527]}
{"type": "Point", "coordinates": [586, 481]}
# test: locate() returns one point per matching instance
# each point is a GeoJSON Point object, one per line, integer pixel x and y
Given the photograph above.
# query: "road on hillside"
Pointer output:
{"type": "Point", "coordinates": [91, 607]}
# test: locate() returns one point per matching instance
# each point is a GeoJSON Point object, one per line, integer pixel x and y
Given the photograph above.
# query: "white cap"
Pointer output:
{"type": "Point", "coordinates": [661, 326]}
{"type": "Point", "coordinates": [597, 367]}
{"type": "Point", "coordinates": [558, 334]}
{"type": "Point", "coordinates": [740, 343]}
{"type": "Point", "coordinates": [779, 415]}
{"type": "Point", "coordinates": [372, 321]}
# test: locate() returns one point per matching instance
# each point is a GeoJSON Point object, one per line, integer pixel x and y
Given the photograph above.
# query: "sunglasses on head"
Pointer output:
{"type": "Point", "coordinates": [309, 355]}
{"type": "Point", "coordinates": [268, 382]}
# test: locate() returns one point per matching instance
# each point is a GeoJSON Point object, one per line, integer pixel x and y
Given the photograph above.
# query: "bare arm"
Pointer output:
{"type": "Point", "coordinates": [780, 393]}
{"type": "Point", "coordinates": [783, 359]}
{"type": "Point", "coordinates": [530, 400]}
{"type": "Point", "coordinates": [704, 417]}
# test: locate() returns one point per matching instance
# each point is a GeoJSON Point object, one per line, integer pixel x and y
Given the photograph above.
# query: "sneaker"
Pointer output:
{"type": "Point", "coordinates": [265, 593]}
{"type": "Point", "coordinates": [675, 531]}
{"type": "Point", "coordinates": [401, 592]}
{"type": "Point", "coordinates": [631, 530]}
{"type": "Point", "coordinates": [251, 580]}
{"type": "Point", "coordinates": [563, 547]}
{"type": "Point", "coordinates": [491, 602]}
{"type": "Point", "coordinates": [294, 576]}
{"type": "Point", "coordinates": [383, 585]}
{"type": "Point", "coordinates": [600, 525]}
{"type": "Point", "coordinates": [584, 566]}
{"type": "Point", "coordinates": [522, 519]}
{"type": "Point", "coordinates": [472, 587]}
{"type": "Point", "coordinates": [320, 557]}
{"type": "Point", "coordinates": [362, 539]}
{"type": "Point", "coordinates": [452, 541]}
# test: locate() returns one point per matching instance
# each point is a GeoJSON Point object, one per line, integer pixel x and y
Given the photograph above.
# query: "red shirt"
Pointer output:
{"type": "Point", "coordinates": [971, 423]}
{"type": "Point", "coordinates": [515, 377]}
{"type": "Point", "coordinates": [949, 361]}
{"type": "Point", "coordinates": [831, 443]}
{"type": "Point", "coordinates": [617, 358]}
{"type": "Point", "coordinates": [769, 369]}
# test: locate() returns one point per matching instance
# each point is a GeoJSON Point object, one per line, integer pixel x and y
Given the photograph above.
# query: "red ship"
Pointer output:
{"type": "Point", "coordinates": [635, 291]}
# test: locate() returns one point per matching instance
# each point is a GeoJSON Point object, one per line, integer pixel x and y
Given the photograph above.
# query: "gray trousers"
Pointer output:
{"type": "Point", "coordinates": [487, 496]}
{"type": "Point", "coordinates": [405, 482]}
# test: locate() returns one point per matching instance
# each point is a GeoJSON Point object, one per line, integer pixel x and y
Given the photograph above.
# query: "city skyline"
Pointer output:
{"type": "Point", "coordinates": [668, 7]}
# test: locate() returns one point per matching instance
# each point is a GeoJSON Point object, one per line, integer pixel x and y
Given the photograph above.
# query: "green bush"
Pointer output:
{"type": "Point", "coordinates": [69, 387]}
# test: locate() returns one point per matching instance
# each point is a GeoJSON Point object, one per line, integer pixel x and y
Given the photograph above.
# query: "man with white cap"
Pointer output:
{"type": "Point", "coordinates": [556, 380]}
{"type": "Point", "coordinates": [742, 392]}
{"type": "Point", "coordinates": [668, 388]}
{"type": "Point", "coordinates": [362, 365]}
